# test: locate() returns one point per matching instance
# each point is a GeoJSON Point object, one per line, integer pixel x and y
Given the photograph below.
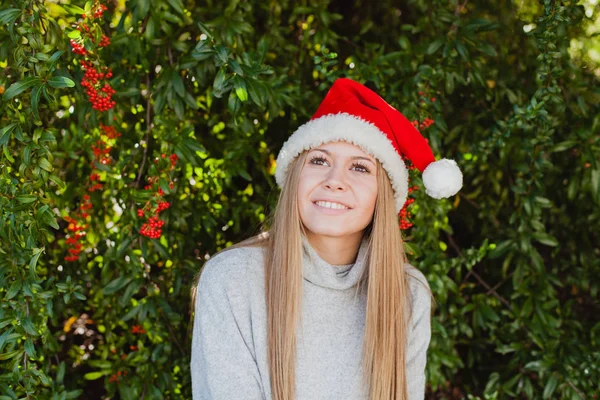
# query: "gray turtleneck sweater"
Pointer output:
{"type": "Point", "coordinates": [229, 343]}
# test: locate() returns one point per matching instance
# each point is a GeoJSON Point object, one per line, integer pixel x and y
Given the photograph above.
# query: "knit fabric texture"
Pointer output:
{"type": "Point", "coordinates": [229, 343]}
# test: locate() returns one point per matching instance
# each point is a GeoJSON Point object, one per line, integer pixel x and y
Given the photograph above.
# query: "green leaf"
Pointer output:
{"type": "Point", "coordinates": [462, 50]}
{"type": "Point", "coordinates": [562, 146]}
{"type": "Point", "coordinates": [9, 336]}
{"type": "Point", "coordinates": [193, 144]}
{"type": "Point", "coordinates": [72, 9]}
{"type": "Point", "coordinates": [244, 174]}
{"type": "Point", "coordinates": [60, 82]}
{"type": "Point", "coordinates": [80, 296]}
{"type": "Point", "coordinates": [233, 103]}
{"type": "Point", "coordinates": [56, 56]}
{"type": "Point", "coordinates": [46, 216]}
{"type": "Point", "coordinates": [91, 376]}
{"type": "Point", "coordinates": [501, 249]}
{"type": "Point", "coordinates": [177, 83]}
{"type": "Point", "coordinates": [545, 238]}
{"type": "Point", "coordinates": [177, 6]}
{"type": "Point", "coordinates": [132, 313]}
{"type": "Point", "coordinates": [242, 93]}
{"type": "Point", "coordinates": [74, 34]}
{"type": "Point", "coordinates": [487, 49]}
{"type": "Point", "coordinates": [595, 175]}
{"type": "Point", "coordinates": [235, 66]}
{"type": "Point", "coordinates": [257, 92]}
{"type": "Point", "coordinates": [26, 198]}
{"type": "Point", "coordinates": [222, 53]}
{"type": "Point", "coordinates": [35, 99]}
{"type": "Point", "coordinates": [19, 87]}
{"type": "Point", "coordinates": [4, 322]}
{"type": "Point", "coordinates": [11, 354]}
{"type": "Point", "coordinates": [45, 164]}
{"type": "Point", "coordinates": [60, 183]}
{"type": "Point", "coordinates": [30, 348]}
{"type": "Point", "coordinates": [116, 285]}
{"type": "Point", "coordinates": [13, 290]}
{"type": "Point", "coordinates": [5, 133]}
{"type": "Point", "coordinates": [161, 249]}
{"type": "Point", "coordinates": [206, 30]}
{"type": "Point", "coordinates": [219, 82]}
{"type": "Point", "coordinates": [27, 324]}
{"type": "Point", "coordinates": [8, 14]}
{"type": "Point", "coordinates": [60, 375]}
{"type": "Point", "coordinates": [33, 262]}
{"type": "Point", "coordinates": [550, 386]}
{"type": "Point", "coordinates": [435, 45]}
{"type": "Point", "coordinates": [8, 155]}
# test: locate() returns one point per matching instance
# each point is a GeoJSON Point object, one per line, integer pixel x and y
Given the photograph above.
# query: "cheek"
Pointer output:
{"type": "Point", "coordinates": [367, 192]}
{"type": "Point", "coordinates": [307, 182]}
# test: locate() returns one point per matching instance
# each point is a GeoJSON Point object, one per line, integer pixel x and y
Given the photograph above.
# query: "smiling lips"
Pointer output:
{"type": "Point", "coordinates": [331, 205]}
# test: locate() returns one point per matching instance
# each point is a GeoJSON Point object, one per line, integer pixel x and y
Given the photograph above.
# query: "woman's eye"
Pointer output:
{"type": "Point", "coordinates": [360, 168]}
{"type": "Point", "coordinates": [318, 161]}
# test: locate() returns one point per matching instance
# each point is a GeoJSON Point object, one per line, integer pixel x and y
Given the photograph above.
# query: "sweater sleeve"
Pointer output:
{"type": "Point", "coordinates": [419, 336]}
{"type": "Point", "coordinates": [223, 365]}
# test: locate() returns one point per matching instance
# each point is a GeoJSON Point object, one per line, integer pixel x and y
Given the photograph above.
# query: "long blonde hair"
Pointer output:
{"type": "Point", "coordinates": [388, 293]}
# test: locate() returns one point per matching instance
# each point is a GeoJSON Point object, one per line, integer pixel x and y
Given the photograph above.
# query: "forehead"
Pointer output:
{"type": "Point", "coordinates": [344, 149]}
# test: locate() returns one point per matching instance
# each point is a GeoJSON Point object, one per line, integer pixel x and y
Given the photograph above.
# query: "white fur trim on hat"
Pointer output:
{"type": "Point", "coordinates": [442, 178]}
{"type": "Point", "coordinates": [348, 128]}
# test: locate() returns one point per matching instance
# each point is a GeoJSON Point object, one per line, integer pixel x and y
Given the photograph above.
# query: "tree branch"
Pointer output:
{"type": "Point", "coordinates": [148, 128]}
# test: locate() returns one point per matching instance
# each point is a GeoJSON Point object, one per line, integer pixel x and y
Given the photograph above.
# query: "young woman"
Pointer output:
{"type": "Point", "coordinates": [324, 305]}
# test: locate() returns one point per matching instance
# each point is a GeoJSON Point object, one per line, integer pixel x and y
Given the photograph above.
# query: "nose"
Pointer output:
{"type": "Point", "coordinates": [336, 180]}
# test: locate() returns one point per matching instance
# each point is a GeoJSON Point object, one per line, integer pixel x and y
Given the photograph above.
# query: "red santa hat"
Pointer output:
{"type": "Point", "coordinates": [355, 114]}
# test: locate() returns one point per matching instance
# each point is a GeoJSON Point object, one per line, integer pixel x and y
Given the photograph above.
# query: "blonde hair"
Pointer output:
{"type": "Point", "coordinates": [388, 293]}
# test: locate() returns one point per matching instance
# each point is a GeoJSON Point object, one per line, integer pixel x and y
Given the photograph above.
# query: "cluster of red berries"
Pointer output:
{"type": "Point", "coordinates": [427, 122]}
{"type": "Point", "coordinates": [78, 48]}
{"type": "Point", "coordinates": [98, 10]}
{"type": "Point", "coordinates": [77, 228]}
{"type": "Point", "coordinates": [404, 214]}
{"type": "Point", "coordinates": [76, 247]}
{"type": "Point", "coordinates": [114, 378]}
{"type": "Point", "coordinates": [153, 227]}
{"type": "Point", "coordinates": [137, 329]}
{"type": "Point", "coordinates": [104, 41]}
{"type": "Point", "coordinates": [94, 81]}
{"type": "Point", "coordinates": [99, 92]}
{"type": "Point", "coordinates": [101, 151]}
{"type": "Point", "coordinates": [110, 131]}
{"type": "Point", "coordinates": [173, 158]}
{"type": "Point", "coordinates": [423, 94]}
{"type": "Point", "coordinates": [95, 182]}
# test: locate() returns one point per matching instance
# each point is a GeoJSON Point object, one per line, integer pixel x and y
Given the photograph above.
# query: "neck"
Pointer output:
{"type": "Point", "coordinates": [336, 250]}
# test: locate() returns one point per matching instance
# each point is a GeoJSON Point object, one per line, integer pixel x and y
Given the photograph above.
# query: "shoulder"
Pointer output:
{"type": "Point", "coordinates": [420, 294]}
{"type": "Point", "coordinates": [417, 281]}
{"type": "Point", "coordinates": [231, 269]}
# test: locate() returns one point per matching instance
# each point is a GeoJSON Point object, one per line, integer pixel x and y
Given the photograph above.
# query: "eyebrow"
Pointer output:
{"type": "Point", "coordinates": [352, 158]}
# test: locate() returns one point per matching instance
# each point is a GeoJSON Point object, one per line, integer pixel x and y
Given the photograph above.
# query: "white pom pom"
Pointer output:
{"type": "Point", "coordinates": [442, 178]}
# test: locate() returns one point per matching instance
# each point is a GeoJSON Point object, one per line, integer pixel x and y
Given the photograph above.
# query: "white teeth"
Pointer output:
{"type": "Point", "coordinates": [328, 204]}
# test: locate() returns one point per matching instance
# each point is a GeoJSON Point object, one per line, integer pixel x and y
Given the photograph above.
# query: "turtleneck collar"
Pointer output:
{"type": "Point", "coordinates": [339, 277]}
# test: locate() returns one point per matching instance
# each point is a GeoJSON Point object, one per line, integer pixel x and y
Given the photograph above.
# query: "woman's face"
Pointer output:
{"type": "Point", "coordinates": [337, 190]}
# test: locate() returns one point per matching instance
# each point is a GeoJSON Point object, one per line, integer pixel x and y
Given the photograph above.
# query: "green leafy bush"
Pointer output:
{"type": "Point", "coordinates": [139, 137]}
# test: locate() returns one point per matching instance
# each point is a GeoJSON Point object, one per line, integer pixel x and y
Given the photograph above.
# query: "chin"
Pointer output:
{"type": "Point", "coordinates": [329, 230]}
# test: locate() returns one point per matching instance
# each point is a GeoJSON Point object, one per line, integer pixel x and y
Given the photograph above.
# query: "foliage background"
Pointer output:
{"type": "Point", "coordinates": [513, 260]}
